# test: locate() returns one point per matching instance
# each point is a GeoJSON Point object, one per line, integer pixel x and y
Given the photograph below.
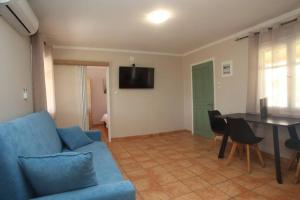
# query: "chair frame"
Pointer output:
{"type": "Point", "coordinates": [295, 157]}
{"type": "Point", "coordinates": [216, 134]}
{"type": "Point", "coordinates": [247, 147]}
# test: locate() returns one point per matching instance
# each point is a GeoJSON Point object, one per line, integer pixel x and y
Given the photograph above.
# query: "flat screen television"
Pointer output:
{"type": "Point", "coordinates": [136, 77]}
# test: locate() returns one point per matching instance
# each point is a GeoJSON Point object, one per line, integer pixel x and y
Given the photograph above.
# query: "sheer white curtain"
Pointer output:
{"type": "Point", "coordinates": [252, 73]}
{"type": "Point", "coordinates": [84, 102]}
{"type": "Point", "coordinates": [279, 69]}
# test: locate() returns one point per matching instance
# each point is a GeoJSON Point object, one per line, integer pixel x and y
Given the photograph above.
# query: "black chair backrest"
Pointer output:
{"type": "Point", "coordinates": [240, 131]}
{"type": "Point", "coordinates": [217, 124]}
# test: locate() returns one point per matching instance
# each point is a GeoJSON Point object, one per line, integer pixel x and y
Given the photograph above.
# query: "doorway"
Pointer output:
{"type": "Point", "coordinates": [82, 97]}
{"type": "Point", "coordinates": [97, 95]}
{"type": "Point", "coordinates": [202, 97]}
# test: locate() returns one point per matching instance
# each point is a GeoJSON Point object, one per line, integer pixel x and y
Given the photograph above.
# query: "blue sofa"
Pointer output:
{"type": "Point", "coordinates": [35, 135]}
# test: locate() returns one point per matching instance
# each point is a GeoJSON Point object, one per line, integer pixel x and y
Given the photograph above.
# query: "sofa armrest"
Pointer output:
{"type": "Point", "coordinates": [123, 190]}
{"type": "Point", "coordinates": [94, 135]}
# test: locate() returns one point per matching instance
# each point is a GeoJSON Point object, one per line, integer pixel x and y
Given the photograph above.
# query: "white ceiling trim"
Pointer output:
{"type": "Point", "coordinates": [268, 23]}
{"type": "Point", "coordinates": [116, 50]}
{"type": "Point", "coordinates": [245, 32]}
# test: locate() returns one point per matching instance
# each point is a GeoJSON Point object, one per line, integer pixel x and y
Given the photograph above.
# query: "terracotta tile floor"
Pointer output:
{"type": "Point", "coordinates": [180, 166]}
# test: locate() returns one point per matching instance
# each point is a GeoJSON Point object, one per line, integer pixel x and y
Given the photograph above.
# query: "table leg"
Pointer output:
{"type": "Point", "coordinates": [293, 132]}
{"type": "Point", "coordinates": [223, 146]}
{"type": "Point", "coordinates": [277, 154]}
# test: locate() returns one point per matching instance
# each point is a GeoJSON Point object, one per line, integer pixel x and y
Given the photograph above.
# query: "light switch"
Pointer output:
{"type": "Point", "coordinates": [25, 94]}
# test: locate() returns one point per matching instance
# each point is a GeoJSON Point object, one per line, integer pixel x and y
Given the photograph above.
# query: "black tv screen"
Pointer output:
{"type": "Point", "coordinates": [136, 77]}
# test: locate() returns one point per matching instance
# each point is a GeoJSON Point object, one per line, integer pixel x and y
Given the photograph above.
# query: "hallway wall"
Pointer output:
{"type": "Point", "coordinates": [99, 99]}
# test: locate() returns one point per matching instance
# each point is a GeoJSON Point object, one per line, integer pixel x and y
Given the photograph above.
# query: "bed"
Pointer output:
{"type": "Point", "coordinates": [105, 119]}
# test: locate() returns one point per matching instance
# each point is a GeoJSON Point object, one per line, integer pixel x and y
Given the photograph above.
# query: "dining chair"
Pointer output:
{"type": "Point", "coordinates": [294, 144]}
{"type": "Point", "coordinates": [241, 134]}
{"type": "Point", "coordinates": [217, 125]}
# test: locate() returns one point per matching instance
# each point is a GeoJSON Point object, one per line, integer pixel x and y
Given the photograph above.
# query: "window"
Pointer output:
{"type": "Point", "coordinates": [280, 66]}
{"type": "Point", "coordinates": [275, 76]}
{"type": "Point", "coordinates": [297, 77]}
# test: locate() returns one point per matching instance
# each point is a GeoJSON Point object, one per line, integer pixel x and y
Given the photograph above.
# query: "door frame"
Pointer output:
{"type": "Point", "coordinates": [214, 81]}
{"type": "Point", "coordinates": [108, 98]}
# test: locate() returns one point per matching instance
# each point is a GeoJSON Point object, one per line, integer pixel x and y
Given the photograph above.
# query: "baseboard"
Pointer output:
{"type": "Point", "coordinates": [147, 135]}
{"type": "Point", "coordinates": [98, 124]}
{"type": "Point", "coordinates": [188, 131]}
{"type": "Point", "coordinates": [283, 161]}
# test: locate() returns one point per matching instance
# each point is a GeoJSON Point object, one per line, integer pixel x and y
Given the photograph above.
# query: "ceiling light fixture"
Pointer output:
{"type": "Point", "coordinates": [158, 16]}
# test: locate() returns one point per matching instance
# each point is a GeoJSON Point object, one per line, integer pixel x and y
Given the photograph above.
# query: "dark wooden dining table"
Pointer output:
{"type": "Point", "coordinates": [275, 122]}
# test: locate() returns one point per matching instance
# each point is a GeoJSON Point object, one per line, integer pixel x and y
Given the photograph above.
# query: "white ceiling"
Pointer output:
{"type": "Point", "coordinates": [121, 24]}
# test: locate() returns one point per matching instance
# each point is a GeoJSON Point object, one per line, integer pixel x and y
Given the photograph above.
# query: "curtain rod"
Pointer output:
{"type": "Point", "coordinates": [80, 62]}
{"type": "Point", "coordinates": [270, 28]}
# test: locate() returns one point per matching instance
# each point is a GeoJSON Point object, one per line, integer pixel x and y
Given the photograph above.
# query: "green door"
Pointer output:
{"type": "Point", "coordinates": [203, 97]}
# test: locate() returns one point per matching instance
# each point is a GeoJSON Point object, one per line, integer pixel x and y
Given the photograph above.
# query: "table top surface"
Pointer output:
{"type": "Point", "coordinates": [272, 120]}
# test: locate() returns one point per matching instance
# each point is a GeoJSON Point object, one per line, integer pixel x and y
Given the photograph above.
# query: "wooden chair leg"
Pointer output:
{"type": "Point", "coordinates": [297, 173]}
{"type": "Point", "coordinates": [214, 142]}
{"type": "Point", "coordinates": [261, 160]}
{"type": "Point", "coordinates": [232, 152]}
{"type": "Point", "coordinates": [248, 158]}
{"type": "Point", "coordinates": [292, 160]}
{"type": "Point", "coordinates": [241, 151]}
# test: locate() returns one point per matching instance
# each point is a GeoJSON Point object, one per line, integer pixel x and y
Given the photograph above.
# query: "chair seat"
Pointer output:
{"type": "Point", "coordinates": [293, 144]}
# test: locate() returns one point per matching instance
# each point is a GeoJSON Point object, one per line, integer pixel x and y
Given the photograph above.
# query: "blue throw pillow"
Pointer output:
{"type": "Point", "coordinates": [74, 137]}
{"type": "Point", "coordinates": [57, 173]}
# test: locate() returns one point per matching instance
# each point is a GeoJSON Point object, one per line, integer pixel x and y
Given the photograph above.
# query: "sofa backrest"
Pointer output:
{"type": "Point", "coordinates": [32, 135]}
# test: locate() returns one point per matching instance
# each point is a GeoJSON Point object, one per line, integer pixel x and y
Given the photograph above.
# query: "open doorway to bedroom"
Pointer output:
{"type": "Point", "coordinates": [82, 97]}
{"type": "Point", "coordinates": [97, 95]}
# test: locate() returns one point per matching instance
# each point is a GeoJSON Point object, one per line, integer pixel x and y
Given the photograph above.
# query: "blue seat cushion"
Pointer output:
{"type": "Point", "coordinates": [57, 173]}
{"type": "Point", "coordinates": [104, 164]}
{"type": "Point", "coordinates": [32, 135]}
{"type": "Point", "coordinates": [74, 137]}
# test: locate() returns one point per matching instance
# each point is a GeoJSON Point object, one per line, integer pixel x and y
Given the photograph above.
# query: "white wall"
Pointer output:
{"type": "Point", "coordinates": [15, 73]}
{"type": "Point", "coordinates": [68, 95]}
{"type": "Point", "coordinates": [99, 104]}
{"type": "Point", "coordinates": [137, 112]}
